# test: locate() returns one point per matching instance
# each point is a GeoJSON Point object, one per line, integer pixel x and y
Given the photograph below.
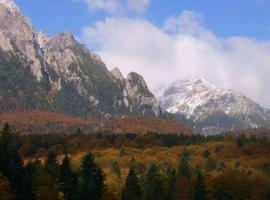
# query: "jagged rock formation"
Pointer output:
{"type": "Point", "coordinates": [211, 108]}
{"type": "Point", "coordinates": [61, 75]}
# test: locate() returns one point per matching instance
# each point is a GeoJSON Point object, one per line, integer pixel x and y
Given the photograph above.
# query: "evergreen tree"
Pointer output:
{"type": "Point", "coordinates": [4, 154]}
{"type": "Point", "coordinates": [154, 187]}
{"type": "Point", "coordinates": [51, 165]}
{"type": "Point", "coordinates": [5, 189]}
{"type": "Point", "coordinates": [210, 164]}
{"type": "Point", "coordinates": [67, 180]}
{"type": "Point", "coordinates": [44, 185]}
{"type": "Point", "coordinates": [131, 189]}
{"type": "Point", "coordinates": [200, 192]}
{"type": "Point", "coordinates": [184, 167]}
{"type": "Point", "coordinates": [206, 153]}
{"type": "Point", "coordinates": [10, 162]}
{"type": "Point", "coordinates": [91, 186]}
{"type": "Point", "coordinates": [27, 186]}
{"type": "Point", "coordinates": [172, 177]}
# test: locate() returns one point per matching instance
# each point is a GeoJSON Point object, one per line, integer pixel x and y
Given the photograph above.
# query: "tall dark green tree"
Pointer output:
{"type": "Point", "coordinates": [132, 190]}
{"type": "Point", "coordinates": [10, 161]}
{"type": "Point", "coordinates": [43, 184]}
{"type": "Point", "coordinates": [200, 192]}
{"type": "Point", "coordinates": [67, 180]}
{"type": "Point", "coordinates": [154, 186]}
{"type": "Point", "coordinates": [172, 178]}
{"type": "Point", "coordinates": [91, 185]}
{"type": "Point", "coordinates": [51, 165]}
{"type": "Point", "coordinates": [184, 169]}
{"type": "Point", "coordinates": [27, 183]}
{"type": "Point", "coordinates": [4, 154]}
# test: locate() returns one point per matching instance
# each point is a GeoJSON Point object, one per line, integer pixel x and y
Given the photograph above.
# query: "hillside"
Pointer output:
{"type": "Point", "coordinates": [38, 122]}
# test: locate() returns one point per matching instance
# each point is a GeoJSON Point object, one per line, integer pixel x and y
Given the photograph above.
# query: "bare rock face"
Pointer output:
{"type": "Point", "coordinates": [117, 74]}
{"type": "Point", "coordinates": [69, 78]}
{"type": "Point", "coordinates": [18, 31]}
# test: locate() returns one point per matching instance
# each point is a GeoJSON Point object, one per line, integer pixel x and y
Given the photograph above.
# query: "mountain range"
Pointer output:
{"type": "Point", "coordinates": [58, 74]}
{"type": "Point", "coordinates": [210, 108]}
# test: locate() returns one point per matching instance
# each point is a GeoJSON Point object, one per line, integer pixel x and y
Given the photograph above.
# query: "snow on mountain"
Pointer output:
{"type": "Point", "coordinates": [210, 106]}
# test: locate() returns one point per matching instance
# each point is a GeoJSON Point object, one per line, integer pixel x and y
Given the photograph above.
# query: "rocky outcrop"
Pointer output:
{"type": "Point", "coordinates": [62, 74]}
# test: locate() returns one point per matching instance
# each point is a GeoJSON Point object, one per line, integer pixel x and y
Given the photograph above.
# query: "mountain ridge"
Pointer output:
{"type": "Point", "coordinates": [58, 74]}
{"type": "Point", "coordinates": [212, 107]}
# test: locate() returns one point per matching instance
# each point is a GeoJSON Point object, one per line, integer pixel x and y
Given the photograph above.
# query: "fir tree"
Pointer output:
{"type": "Point", "coordinates": [4, 154]}
{"type": "Point", "coordinates": [184, 167]}
{"type": "Point", "coordinates": [10, 162]}
{"type": "Point", "coordinates": [51, 165]}
{"type": "Point", "coordinates": [131, 189]}
{"type": "Point", "coordinates": [154, 187]}
{"type": "Point", "coordinates": [172, 177]}
{"type": "Point", "coordinates": [44, 185]}
{"type": "Point", "coordinates": [27, 186]}
{"type": "Point", "coordinates": [200, 192]}
{"type": "Point", "coordinates": [5, 189]}
{"type": "Point", "coordinates": [91, 186]}
{"type": "Point", "coordinates": [67, 180]}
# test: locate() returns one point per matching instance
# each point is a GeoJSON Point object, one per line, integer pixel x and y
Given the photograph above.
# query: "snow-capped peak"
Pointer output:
{"type": "Point", "coordinates": [202, 102]}
{"type": "Point", "coordinates": [10, 5]}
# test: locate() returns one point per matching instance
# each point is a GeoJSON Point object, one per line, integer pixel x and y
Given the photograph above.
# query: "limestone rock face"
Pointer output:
{"type": "Point", "coordinates": [57, 73]}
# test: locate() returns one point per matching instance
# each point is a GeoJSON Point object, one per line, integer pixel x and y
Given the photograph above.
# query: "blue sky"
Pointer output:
{"type": "Point", "coordinates": [225, 41]}
{"type": "Point", "coordinates": [224, 17]}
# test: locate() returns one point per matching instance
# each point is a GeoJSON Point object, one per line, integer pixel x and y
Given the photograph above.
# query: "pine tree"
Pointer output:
{"type": "Point", "coordinates": [43, 184]}
{"type": "Point", "coordinates": [10, 162]}
{"type": "Point", "coordinates": [67, 180]}
{"type": "Point", "coordinates": [184, 167]}
{"type": "Point", "coordinates": [91, 186]}
{"type": "Point", "coordinates": [51, 165]}
{"type": "Point", "coordinates": [5, 189]}
{"type": "Point", "coordinates": [132, 189]}
{"type": "Point", "coordinates": [27, 183]}
{"type": "Point", "coordinates": [154, 186]}
{"type": "Point", "coordinates": [200, 192]}
{"type": "Point", "coordinates": [4, 154]}
{"type": "Point", "coordinates": [172, 177]}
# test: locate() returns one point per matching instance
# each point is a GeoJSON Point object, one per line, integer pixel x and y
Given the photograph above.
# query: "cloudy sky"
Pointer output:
{"type": "Point", "coordinates": [226, 41]}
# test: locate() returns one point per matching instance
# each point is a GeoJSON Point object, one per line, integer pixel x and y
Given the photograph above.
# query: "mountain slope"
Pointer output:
{"type": "Point", "coordinates": [212, 108]}
{"type": "Point", "coordinates": [61, 75]}
{"type": "Point", "coordinates": [37, 122]}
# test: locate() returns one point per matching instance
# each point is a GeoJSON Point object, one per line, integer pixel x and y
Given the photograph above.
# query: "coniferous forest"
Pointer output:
{"type": "Point", "coordinates": [165, 167]}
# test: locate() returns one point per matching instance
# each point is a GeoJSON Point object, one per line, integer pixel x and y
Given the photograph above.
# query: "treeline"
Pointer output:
{"type": "Point", "coordinates": [54, 180]}
{"type": "Point", "coordinates": [39, 145]}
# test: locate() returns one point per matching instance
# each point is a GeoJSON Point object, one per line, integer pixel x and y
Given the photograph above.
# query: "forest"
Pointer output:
{"type": "Point", "coordinates": [153, 166]}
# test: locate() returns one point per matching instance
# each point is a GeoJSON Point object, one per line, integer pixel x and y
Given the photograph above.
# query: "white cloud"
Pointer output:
{"type": "Point", "coordinates": [183, 47]}
{"type": "Point", "coordinates": [138, 5]}
{"type": "Point", "coordinates": [107, 5]}
{"type": "Point", "coordinates": [116, 6]}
